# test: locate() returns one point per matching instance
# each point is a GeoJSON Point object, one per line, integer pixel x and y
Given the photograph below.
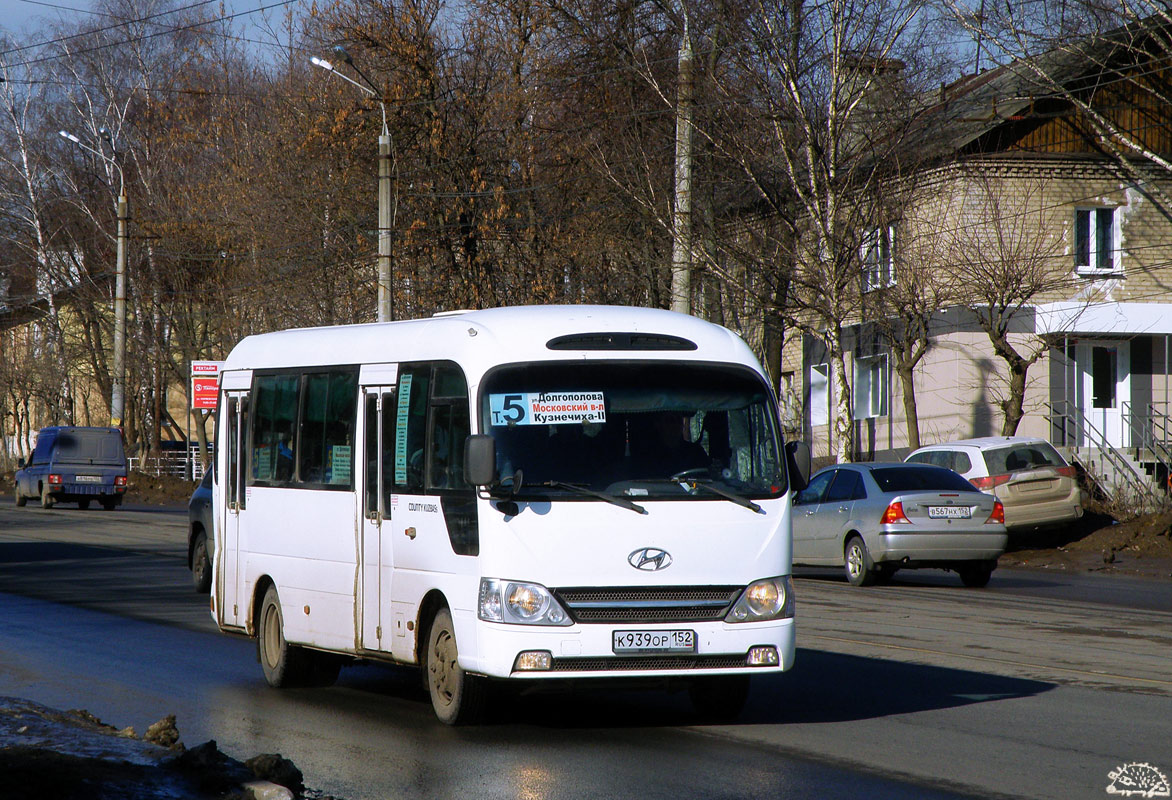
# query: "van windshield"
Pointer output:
{"type": "Point", "coordinates": [633, 429]}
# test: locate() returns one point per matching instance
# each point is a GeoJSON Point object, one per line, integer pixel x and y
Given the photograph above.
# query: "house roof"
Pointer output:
{"type": "Point", "coordinates": [964, 112]}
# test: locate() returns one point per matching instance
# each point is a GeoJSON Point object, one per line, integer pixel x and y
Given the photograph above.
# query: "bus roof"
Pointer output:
{"type": "Point", "coordinates": [478, 340]}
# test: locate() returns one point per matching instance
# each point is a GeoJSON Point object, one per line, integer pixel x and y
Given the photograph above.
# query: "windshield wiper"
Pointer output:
{"type": "Point", "coordinates": [696, 483]}
{"type": "Point", "coordinates": [621, 502]}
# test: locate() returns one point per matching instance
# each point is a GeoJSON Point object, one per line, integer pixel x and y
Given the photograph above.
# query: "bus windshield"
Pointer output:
{"type": "Point", "coordinates": [646, 430]}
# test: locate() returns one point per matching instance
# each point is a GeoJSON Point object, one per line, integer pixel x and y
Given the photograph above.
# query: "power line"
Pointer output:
{"type": "Point", "coordinates": [4, 54]}
{"type": "Point", "coordinates": [136, 39]}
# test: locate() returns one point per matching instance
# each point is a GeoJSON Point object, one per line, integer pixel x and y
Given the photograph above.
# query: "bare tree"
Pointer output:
{"type": "Point", "coordinates": [824, 109]}
{"type": "Point", "coordinates": [998, 249]}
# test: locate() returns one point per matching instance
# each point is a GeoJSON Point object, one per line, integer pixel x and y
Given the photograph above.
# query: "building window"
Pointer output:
{"type": "Point", "coordinates": [819, 394]}
{"type": "Point", "coordinates": [878, 255]}
{"type": "Point", "coordinates": [1096, 239]}
{"type": "Point", "coordinates": [871, 387]}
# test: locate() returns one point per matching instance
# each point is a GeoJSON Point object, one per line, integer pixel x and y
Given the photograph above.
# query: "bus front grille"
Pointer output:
{"type": "Point", "coordinates": [648, 605]}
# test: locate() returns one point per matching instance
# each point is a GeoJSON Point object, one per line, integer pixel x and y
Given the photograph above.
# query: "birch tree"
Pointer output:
{"type": "Point", "coordinates": [822, 85]}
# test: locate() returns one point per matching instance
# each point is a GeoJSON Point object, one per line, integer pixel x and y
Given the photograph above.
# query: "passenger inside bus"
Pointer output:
{"type": "Point", "coordinates": [285, 457]}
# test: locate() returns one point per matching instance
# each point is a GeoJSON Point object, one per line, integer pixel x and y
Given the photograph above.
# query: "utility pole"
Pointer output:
{"type": "Point", "coordinates": [385, 305]}
{"type": "Point", "coordinates": [386, 295]}
{"type": "Point", "coordinates": [118, 376]}
{"type": "Point", "coordinates": [118, 391]}
{"type": "Point", "coordinates": [681, 249]}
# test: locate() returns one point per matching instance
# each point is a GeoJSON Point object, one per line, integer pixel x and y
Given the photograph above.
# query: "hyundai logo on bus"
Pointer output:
{"type": "Point", "coordinates": [650, 559]}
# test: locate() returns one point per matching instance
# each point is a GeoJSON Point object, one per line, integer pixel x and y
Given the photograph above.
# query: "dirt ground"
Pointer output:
{"type": "Point", "coordinates": [1141, 547]}
{"type": "Point", "coordinates": [158, 490]}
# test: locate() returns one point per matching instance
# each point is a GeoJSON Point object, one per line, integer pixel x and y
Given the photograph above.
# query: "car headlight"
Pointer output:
{"type": "Point", "coordinates": [771, 598]}
{"type": "Point", "coordinates": [519, 603]}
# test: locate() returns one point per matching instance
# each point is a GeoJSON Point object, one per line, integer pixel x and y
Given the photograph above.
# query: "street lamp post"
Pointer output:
{"type": "Point", "coordinates": [118, 379]}
{"type": "Point", "coordinates": [386, 208]}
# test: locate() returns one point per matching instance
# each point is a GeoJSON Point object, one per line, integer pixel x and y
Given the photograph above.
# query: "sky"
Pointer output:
{"type": "Point", "coordinates": [27, 21]}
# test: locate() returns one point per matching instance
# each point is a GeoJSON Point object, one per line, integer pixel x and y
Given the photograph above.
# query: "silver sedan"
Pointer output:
{"type": "Point", "coordinates": [876, 518]}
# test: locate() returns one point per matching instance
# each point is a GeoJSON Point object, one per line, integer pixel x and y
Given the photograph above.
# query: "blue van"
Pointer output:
{"type": "Point", "coordinates": [75, 465]}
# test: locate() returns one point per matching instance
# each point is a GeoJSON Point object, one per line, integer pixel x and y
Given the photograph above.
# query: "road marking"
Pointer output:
{"type": "Point", "coordinates": [1006, 661]}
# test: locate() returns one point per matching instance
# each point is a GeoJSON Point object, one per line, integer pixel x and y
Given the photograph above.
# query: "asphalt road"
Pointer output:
{"type": "Point", "coordinates": [1039, 686]}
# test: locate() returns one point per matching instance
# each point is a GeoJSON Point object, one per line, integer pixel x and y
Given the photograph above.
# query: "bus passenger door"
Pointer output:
{"type": "Point", "coordinates": [228, 552]}
{"type": "Point", "coordinates": [376, 562]}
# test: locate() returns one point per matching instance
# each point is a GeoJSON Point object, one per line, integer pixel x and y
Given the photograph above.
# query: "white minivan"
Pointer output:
{"type": "Point", "coordinates": [557, 494]}
{"type": "Point", "coordinates": [1031, 479]}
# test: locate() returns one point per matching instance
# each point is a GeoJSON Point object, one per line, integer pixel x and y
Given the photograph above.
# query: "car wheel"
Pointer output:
{"type": "Point", "coordinates": [977, 574]}
{"type": "Point", "coordinates": [47, 500]}
{"type": "Point", "coordinates": [719, 698]}
{"type": "Point", "coordinates": [201, 565]}
{"type": "Point", "coordinates": [109, 503]}
{"type": "Point", "coordinates": [457, 697]}
{"type": "Point", "coordinates": [860, 570]}
{"type": "Point", "coordinates": [283, 664]}
{"type": "Point", "coordinates": [83, 504]}
{"type": "Point", "coordinates": [20, 498]}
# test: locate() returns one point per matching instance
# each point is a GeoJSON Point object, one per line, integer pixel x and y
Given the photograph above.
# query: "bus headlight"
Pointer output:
{"type": "Point", "coordinates": [519, 603]}
{"type": "Point", "coordinates": [771, 598]}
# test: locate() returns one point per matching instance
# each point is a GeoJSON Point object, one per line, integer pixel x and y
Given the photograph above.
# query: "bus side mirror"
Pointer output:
{"type": "Point", "coordinates": [480, 459]}
{"type": "Point", "coordinates": [797, 459]}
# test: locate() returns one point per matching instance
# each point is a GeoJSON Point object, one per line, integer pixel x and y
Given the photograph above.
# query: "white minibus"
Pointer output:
{"type": "Point", "coordinates": [522, 495]}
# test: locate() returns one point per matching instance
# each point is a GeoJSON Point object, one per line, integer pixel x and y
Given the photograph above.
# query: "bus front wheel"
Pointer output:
{"type": "Point", "coordinates": [457, 697]}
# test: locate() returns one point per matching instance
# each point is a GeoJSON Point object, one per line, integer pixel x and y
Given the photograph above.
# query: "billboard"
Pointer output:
{"type": "Point", "coordinates": [205, 384]}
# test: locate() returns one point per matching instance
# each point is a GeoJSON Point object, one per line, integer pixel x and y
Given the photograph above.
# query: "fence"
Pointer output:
{"type": "Point", "coordinates": [184, 463]}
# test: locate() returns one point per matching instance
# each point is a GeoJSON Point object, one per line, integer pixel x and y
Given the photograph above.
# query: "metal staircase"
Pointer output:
{"type": "Point", "coordinates": [1134, 477]}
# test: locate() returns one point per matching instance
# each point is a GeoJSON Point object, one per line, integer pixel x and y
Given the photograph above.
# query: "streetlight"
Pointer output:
{"type": "Point", "coordinates": [117, 391]}
{"type": "Point", "coordinates": [386, 213]}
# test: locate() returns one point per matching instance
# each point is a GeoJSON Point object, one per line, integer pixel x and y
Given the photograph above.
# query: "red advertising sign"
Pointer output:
{"type": "Point", "coordinates": [205, 384]}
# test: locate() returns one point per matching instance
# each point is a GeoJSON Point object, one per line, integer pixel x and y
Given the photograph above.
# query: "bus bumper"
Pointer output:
{"type": "Point", "coordinates": [587, 651]}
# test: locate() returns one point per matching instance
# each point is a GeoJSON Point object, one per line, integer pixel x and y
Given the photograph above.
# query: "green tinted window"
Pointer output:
{"type": "Point", "coordinates": [273, 427]}
{"type": "Point", "coordinates": [325, 447]}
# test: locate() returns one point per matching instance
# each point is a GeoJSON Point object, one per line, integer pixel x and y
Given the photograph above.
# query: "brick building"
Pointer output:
{"type": "Point", "coordinates": [1036, 219]}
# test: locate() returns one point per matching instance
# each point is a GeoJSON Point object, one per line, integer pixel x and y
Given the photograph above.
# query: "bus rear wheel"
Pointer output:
{"type": "Point", "coordinates": [201, 565]}
{"type": "Point", "coordinates": [283, 665]}
{"type": "Point", "coordinates": [287, 665]}
{"type": "Point", "coordinates": [457, 697]}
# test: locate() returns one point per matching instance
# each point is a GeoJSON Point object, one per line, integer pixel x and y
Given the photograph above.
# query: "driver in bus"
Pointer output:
{"type": "Point", "coordinates": [668, 450]}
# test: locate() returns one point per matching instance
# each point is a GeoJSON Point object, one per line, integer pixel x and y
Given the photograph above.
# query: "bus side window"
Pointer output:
{"type": "Point", "coordinates": [450, 426]}
{"type": "Point", "coordinates": [411, 429]}
{"type": "Point", "coordinates": [388, 451]}
{"type": "Point", "coordinates": [370, 454]}
{"type": "Point", "coordinates": [273, 420]}
{"type": "Point", "coordinates": [325, 444]}
{"type": "Point", "coordinates": [449, 429]}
